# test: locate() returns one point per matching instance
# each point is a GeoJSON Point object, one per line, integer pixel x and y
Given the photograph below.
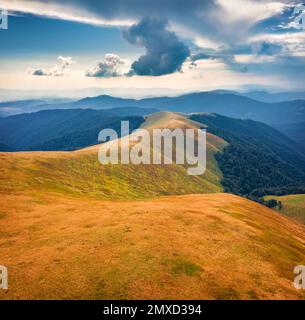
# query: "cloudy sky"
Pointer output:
{"type": "Point", "coordinates": [172, 45]}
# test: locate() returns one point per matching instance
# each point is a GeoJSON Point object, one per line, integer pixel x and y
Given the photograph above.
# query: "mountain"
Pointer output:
{"type": "Point", "coordinates": [295, 131]}
{"type": "Point", "coordinates": [79, 172]}
{"type": "Point", "coordinates": [8, 108]}
{"type": "Point", "coordinates": [141, 229]}
{"type": "Point", "coordinates": [222, 102]}
{"type": "Point", "coordinates": [63, 129]}
{"type": "Point", "coordinates": [274, 97]}
{"type": "Point", "coordinates": [257, 157]}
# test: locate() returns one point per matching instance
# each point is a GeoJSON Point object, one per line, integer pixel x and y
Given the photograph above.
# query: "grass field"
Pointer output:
{"type": "Point", "coordinates": [215, 246]}
{"type": "Point", "coordinates": [293, 206]}
{"type": "Point", "coordinates": [72, 228]}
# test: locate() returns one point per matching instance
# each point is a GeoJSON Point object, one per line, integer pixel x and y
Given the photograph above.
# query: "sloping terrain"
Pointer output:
{"type": "Point", "coordinates": [215, 246]}
{"type": "Point", "coordinates": [80, 173]}
{"type": "Point", "coordinates": [295, 131]}
{"type": "Point", "coordinates": [293, 206]}
{"type": "Point", "coordinates": [73, 228]}
{"type": "Point", "coordinates": [258, 157]}
{"type": "Point", "coordinates": [64, 129]}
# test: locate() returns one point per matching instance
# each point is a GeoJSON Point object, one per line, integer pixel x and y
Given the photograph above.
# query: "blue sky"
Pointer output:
{"type": "Point", "coordinates": [180, 46]}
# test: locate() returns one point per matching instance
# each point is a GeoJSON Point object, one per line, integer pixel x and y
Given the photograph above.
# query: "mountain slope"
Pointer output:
{"type": "Point", "coordinates": [295, 131]}
{"type": "Point", "coordinates": [63, 129]}
{"type": "Point", "coordinates": [215, 246]}
{"type": "Point", "coordinates": [79, 172]}
{"type": "Point", "coordinates": [59, 209]}
{"type": "Point", "coordinates": [258, 156]}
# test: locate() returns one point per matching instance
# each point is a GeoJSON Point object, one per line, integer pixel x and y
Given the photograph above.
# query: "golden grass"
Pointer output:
{"type": "Point", "coordinates": [213, 246]}
{"type": "Point", "coordinates": [72, 228]}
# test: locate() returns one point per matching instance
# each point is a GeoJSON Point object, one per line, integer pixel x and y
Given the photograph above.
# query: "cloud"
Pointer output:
{"type": "Point", "coordinates": [267, 48]}
{"type": "Point", "coordinates": [57, 71]}
{"type": "Point", "coordinates": [165, 53]}
{"type": "Point", "coordinates": [109, 67]}
{"type": "Point", "coordinates": [249, 11]}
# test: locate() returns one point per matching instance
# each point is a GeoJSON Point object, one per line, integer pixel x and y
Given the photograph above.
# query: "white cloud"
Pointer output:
{"type": "Point", "coordinates": [109, 67]}
{"type": "Point", "coordinates": [293, 43]}
{"type": "Point", "coordinates": [248, 11]}
{"type": "Point", "coordinates": [56, 71]}
{"type": "Point", "coordinates": [61, 11]}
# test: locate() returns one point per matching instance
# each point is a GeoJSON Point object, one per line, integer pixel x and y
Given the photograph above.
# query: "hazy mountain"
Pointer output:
{"type": "Point", "coordinates": [8, 108]}
{"type": "Point", "coordinates": [219, 101]}
{"type": "Point", "coordinates": [228, 104]}
{"type": "Point", "coordinates": [274, 97]}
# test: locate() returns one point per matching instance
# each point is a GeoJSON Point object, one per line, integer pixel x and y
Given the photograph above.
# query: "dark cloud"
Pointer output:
{"type": "Point", "coordinates": [200, 56]}
{"type": "Point", "coordinates": [39, 72]}
{"type": "Point", "coordinates": [165, 53]}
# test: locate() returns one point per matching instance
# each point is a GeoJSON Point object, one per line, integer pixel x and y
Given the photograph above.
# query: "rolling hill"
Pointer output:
{"type": "Point", "coordinates": [72, 228]}
{"type": "Point", "coordinates": [79, 172]}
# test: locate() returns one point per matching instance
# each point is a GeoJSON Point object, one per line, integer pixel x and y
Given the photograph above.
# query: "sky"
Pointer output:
{"type": "Point", "coordinates": [137, 47]}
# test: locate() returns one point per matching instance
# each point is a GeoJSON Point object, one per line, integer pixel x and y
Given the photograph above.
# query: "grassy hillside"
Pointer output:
{"type": "Point", "coordinates": [215, 246]}
{"type": "Point", "coordinates": [72, 228]}
{"type": "Point", "coordinates": [292, 206]}
{"type": "Point", "coordinates": [80, 173]}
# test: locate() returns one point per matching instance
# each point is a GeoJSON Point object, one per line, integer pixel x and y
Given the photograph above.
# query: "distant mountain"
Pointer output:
{"type": "Point", "coordinates": [8, 108]}
{"type": "Point", "coordinates": [222, 102]}
{"type": "Point", "coordinates": [274, 97]}
{"type": "Point", "coordinates": [225, 103]}
{"type": "Point", "coordinates": [228, 103]}
{"type": "Point", "coordinates": [63, 129]}
{"type": "Point", "coordinates": [15, 107]}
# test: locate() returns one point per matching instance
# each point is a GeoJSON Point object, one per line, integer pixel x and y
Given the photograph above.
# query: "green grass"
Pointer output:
{"type": "Point", "coordinates": [293, 206]}
{"type": "Point", "coordinates": [82, 174]}
{"type": "Point", "coordinates": [181, 266]}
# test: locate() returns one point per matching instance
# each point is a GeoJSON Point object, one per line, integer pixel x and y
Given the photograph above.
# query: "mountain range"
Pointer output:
{"type": "Point", "coordinates": [286, 116]}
